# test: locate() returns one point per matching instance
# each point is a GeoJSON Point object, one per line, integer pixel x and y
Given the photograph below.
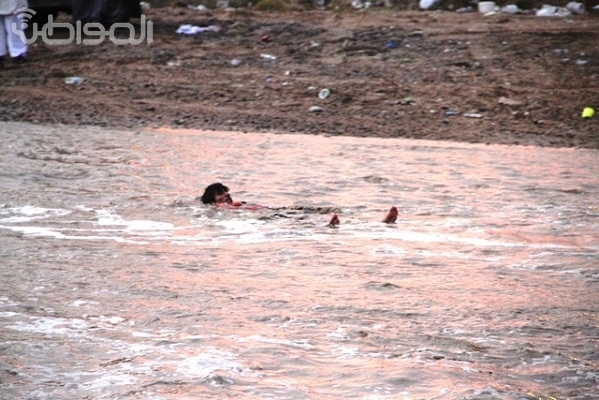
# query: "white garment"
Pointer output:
{"type": "Point", "coordinates": [8, 6]}
{"type": "Point", "coordinates": [16, 45]}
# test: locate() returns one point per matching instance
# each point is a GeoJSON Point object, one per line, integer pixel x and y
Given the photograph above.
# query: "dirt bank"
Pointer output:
{"type": "Point", "coordinates": [511, 79]}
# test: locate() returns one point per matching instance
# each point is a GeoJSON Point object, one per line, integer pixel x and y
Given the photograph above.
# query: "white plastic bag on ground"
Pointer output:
{"type": "Point", "coordinates": [576, 8]}
{"type": "Point", "coordinates": [511, 9]}
{"type": "Point", "coordinates": [193, 30]}
{"type": "Point", "coordinates": [427, 4]}
{"type": "Point", "coordinates": [552, 11]}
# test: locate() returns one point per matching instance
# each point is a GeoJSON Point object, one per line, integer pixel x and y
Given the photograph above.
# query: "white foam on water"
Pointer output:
{"type": "Point", "coordinates": [105, 218]}
{"type": "Point", "coordinates": [239, 226]}
{"type": "Point", "coordinates": [109, 218]}
{"type": "Point", "coordinates": [388, 250]}
{"type": "Point", "coordinates": [37, 231]}
{"type": "Point", "coordinates": [243, 231]}
{"type": "Point", "coordinates": [209, 362]}
{"type": "Point", "coordinates": [346, 352]}
{"type": "Point", "coordinates": [8, 314]}
{"type": "Point", "coordinates": [275, 236]}
{"type": "Point", "coordinates": [29, 213]}
{"type": "Point", "coordinates": [133, 363]}
{"type": "Point", "coordinates": [5, 301]}
{"type": "Point", "coordinates": [81, 303]}
{"type": "Point", "coordinates": [71, 327]}
{"type": "Point", "coordinates": [82, 207]}
{"type": "Point", "coordinates": [142, 334]}
{"type": "Point", "coordinates": [300, 343]}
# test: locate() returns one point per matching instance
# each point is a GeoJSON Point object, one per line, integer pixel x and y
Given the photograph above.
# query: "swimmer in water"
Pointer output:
{"type": "Point", "coordinates": [218, 194]}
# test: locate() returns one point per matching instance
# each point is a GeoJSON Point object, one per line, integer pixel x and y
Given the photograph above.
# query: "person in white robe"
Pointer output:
{"type": "Point", "coordinates": [12, 37]}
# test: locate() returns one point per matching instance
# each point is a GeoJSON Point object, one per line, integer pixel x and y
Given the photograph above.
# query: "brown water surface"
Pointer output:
{"type": "Point", "coordinates": [115, 283]}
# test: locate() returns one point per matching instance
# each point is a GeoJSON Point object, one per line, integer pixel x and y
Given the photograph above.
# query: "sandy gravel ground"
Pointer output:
{"type": "Point", "coordinates": [510, 79]}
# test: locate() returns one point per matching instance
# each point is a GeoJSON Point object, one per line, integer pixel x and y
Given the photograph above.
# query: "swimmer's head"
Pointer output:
{"type": "Point", "coordinates": [216, 193]}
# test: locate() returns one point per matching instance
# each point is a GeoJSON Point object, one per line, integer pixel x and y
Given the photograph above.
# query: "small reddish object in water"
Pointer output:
{"type": "Point", "coordinates": [391, 216]}
{"type": "Point", "coordinates": [334, 221]}
{"type": "Point", "coordinates": [265, 38]}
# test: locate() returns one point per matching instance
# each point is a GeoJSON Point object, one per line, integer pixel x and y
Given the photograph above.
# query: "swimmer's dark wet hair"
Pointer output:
{"type": "Point", "coordinates": [216, 189]}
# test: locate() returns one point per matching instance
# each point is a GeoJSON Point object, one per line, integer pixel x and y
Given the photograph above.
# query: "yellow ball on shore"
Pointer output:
{"type": "Point", "coordinates": [588, 112]}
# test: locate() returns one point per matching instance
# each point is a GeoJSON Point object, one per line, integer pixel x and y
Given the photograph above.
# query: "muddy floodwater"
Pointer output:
{"type": "Point", "coordinates": [116, 283]}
